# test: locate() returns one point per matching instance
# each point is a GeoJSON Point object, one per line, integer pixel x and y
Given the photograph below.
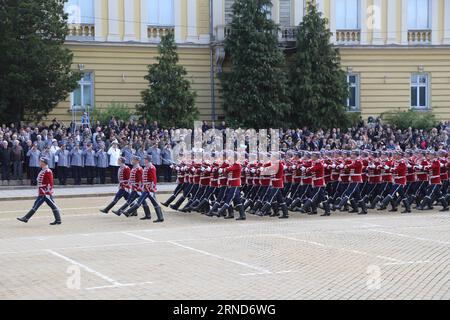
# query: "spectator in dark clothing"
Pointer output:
{"type": "Point", "coordinates": [17, 160]}
{"type": "Point", "coordinates": [5, 159]}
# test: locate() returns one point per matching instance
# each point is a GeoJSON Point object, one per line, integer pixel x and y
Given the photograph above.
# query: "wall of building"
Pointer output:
{"type": "Point", "coordinates": [385, 75]}
{"type": "Point", "coordinates": [119, 72]}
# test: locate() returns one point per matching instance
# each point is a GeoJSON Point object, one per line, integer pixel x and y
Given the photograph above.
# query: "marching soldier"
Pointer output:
{"type": "Point", "coordinates": [135, 183]}
{"type": "Point", "coordinates": [45, 194]}
{"type": "Point", "coordinates": [123, 175]}
{"type": "Point", "coordinates": [149, 181]}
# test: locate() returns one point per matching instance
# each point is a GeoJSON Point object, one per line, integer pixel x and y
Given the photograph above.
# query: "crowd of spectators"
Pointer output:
{"type": "Point", "coordinates": [91, 151]}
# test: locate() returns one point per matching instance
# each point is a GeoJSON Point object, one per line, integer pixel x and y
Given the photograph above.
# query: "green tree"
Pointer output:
{"type": "Point", "coordinates": [168, 98]}
{"type": "Point", "coordinates": [255, 89]}
{"type": "Point", "coordinates": [35, 70]}
{"type": "Point", "coordinates": [318, 84]}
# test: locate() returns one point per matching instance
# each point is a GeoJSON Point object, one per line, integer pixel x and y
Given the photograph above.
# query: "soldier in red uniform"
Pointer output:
{"type": "Point", "coordinates": [275, 197]}
{"type": "Point", "coordinates": [123, 175]}
{"type": "Point", "coordinates": [353, 192]}
{"type": "Point", "coordinates": [433, 191]}
{"type": "Point", "coordinates": [178, 168]}
{"type": "Point", "coordinates": [233, 193]}
{"type": "Point", "coordinates": [135, 183]}
{"type": "Point", "coordinates": [149, 183]}
{"type": "Point", "coordinates": [317, 171]}
{"type": "Point", "coordinates": [397, 189]}
{"type": "Point", "coordinates": [45, 194]}
{"type": "Point", "coordinates": [221, 189]}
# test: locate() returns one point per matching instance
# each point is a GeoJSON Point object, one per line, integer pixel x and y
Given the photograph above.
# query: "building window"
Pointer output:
{"type": "Point", "coordinates": [419, 91]}
{"type": "Point", "coordinates": [161, 12]}
{"type": "Point", "coordinates": [285, 13]}
{"type": "Point", "coordinates": [228, 11]}
{"type": "Point", "coordinates": [418, 13]}
{"type": "Point", "coordinates": [353, 87]}
{"type": "Point", "coordinates": [80, 11]}
{"type": "Point", "coordinates": [347, 14]}
{"type": "Point", "coordinates": [83, 96]}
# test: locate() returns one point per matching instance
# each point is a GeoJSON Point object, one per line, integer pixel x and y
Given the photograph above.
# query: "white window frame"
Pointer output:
{"type": "Point", "coordinates": [358, 18]}
{"type": "Point", "coordinates": [81, 84]}
{"type": "Point", "coordinates": [357, 87]}
{"type": "Point", "coordinates": [80, 18]}
{"type": "Point", "coordinates": [418, 86]}
{"type": "Point", "coordinates": [429, 17]}
{"type": "Point", "coordinates": [158, 23]}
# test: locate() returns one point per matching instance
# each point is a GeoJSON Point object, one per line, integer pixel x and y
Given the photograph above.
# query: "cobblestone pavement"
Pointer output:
{"type": "Point", "coordinates": [97, 256]}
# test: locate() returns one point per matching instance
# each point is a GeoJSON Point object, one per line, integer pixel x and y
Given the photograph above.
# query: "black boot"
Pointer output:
{"type": "Point", "coordinates": [130, 211]}
{"type": "Point", "coordinates": [121, 209]}
{"type": "Point", "coordinates": [169, 201]}
{"type": "Point", "coordinates": [264, 210]}
{"type": "Point", "coordinates": [108, 207]}
{"type": "Point", "coordinates": [199, 206]}
{"type": "Point", "coordinates": [247, 204]}
{"type": "Point", "coordinates": [256, 207]}
{"type": "Point", "coordinates": [27, 217]}
{"type": "Point", "coordinates": [426, 202]}
{"type": "Point", "coordinates": [374, 202]}
{"type": "Point", "coordinates": [57, 218]}
{"type": "Point", "coordinates": [385, 202]}
{"type": "Point", "coordinates": [342, 204]}
{"type": "Point", "coordinates": [294, 204]}
{"type": "Point", "coordinates": [285, 212]}
{"type": "Point", "coordinates": [393, 206]}
{"type": "Point", "coordinates": [187, 207]}
{"type": "Point", "coordinates": [241, 213]}
{"type": "Point", "coordinates": [326, 207]}
{"type": "Point", "coordinates": [159, 215]}
{"type": "Point", "coordinates": [407, 205]}
{"type": "Point", "coordinates": [306, 206]}
{"type": "Point", "coordinates": [363, 206]}
{"type": "Point", "coordinates": [147, 214]}
{"type": "Point", "coordinates": [229, 210]}
{"type": "Point", "coordinates": [444, 204]}
{"type": "Point", "coordinates": [354, 207]}
{"type": "Point", "coordinates": [275, 209]}
{"type": "Point", "coordinates": [178, 203]}
{"type": "Point", "coordinates": [213, 209]}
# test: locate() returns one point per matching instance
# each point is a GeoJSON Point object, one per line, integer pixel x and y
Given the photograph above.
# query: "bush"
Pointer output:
{"type": "Point", "coordinates": [118, 110]}
{"type": "Point", "coordinates": [352, 119]}
{"type": "Point", "coordinates": [410, 118]}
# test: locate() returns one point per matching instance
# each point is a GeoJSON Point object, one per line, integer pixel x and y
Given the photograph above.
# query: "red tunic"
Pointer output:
{"type": "Point", "coordinates": [149, 178]}
{"type": "Point", "coordinates": [399, 172]}
{"type": "Point", "coordinates": [374, 172]}
{"type": "Point", "coordinates": [223, 177]}
{"type": "Point", "coordinates": [45, 182]}
{"type": "Point", "coordinates": [435, 172]}
{"type": "Point", "coordinates": [345, 170]}
{"type": "Point", "coordinates": [356, 168]}
{"type": "Point", "coordinates": [124, 176]}
{"type": "Point", "coordinates": [444, 171]}
{"type": "Point", "coordinates": [317, 173]}
{"type": "Point", "coordinates": [136, 178]}
{"type": "Point", "coordinates": [386, 173]}
{"type": "Point", "coordinates": [421, 172]}
{"type": "Point", "coordinates": [278, 178]}
{"type": "Point", "coordinates": [297, 170]}
{"type": "Point", "coordinates": [335, 169]}
{"type": "Point", "coordinates": [410, 172]}
{"type": "Point", "coordinates": [288, 174]}
{"type": "Point", "coordinates": [234, 175]}
{"type": "Point", "coordinates": [327, 170]}
{"type": "Point", "coordinates": [264, 177]}
{"type": "Point", "coordinates": [205, 175]}
{"type": "Point", "coordinates": [306, 174]}
{"type": "Point", "coordinates": [215, 175]}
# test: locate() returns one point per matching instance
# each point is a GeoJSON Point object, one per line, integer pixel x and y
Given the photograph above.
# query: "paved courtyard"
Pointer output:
{"type": "Point", "coordinates": [190, 256]}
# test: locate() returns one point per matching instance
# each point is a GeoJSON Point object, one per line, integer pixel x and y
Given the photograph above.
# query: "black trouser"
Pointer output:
{"type": "Point", "coordinates": [167, 172]}
{"type": "Point", "coordinates": [5, 170]}
{"type": "Point", "coordinates": [114, 170]}
{"type": "Point", "coordinates": [50, 202]}
{"type": "Point", "coordinates": [76, 174]}
{"type": "Point", "coordinates": [90, 174]}
{"type": "Point", "coordinates": [62, 174]}
{"type": "Point", "coordinates": [101, 173]}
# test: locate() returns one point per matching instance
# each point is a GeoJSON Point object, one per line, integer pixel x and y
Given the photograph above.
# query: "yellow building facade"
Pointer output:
{"type": "Point", "coordinates": [396, 52]}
